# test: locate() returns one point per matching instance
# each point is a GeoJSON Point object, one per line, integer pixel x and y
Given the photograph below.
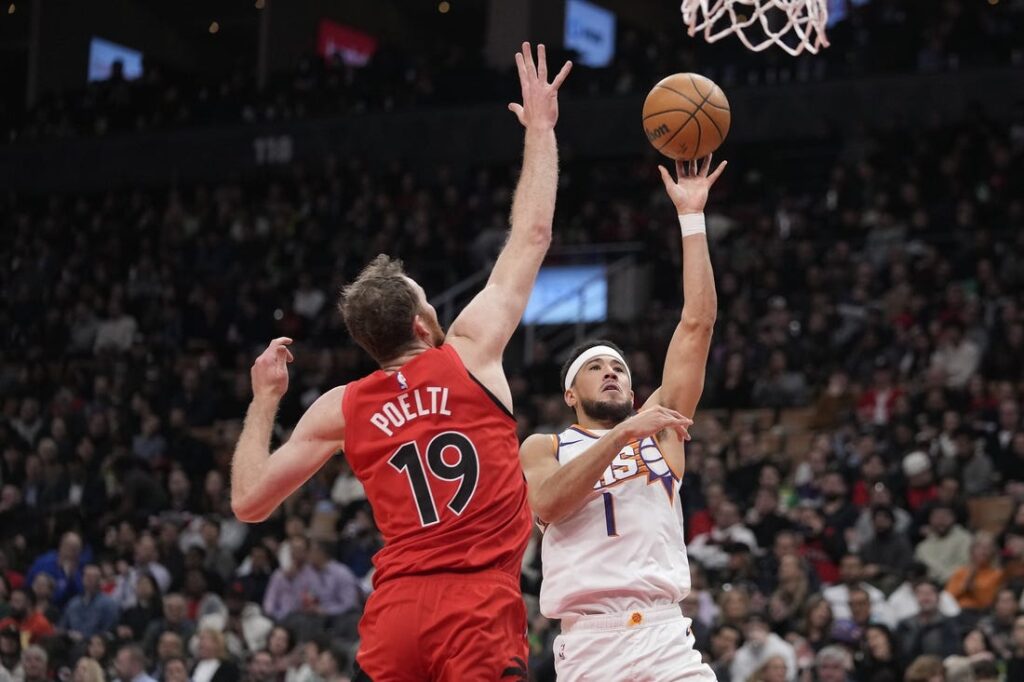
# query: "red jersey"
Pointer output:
{"type": "Point", "coordinates": [439, 458]}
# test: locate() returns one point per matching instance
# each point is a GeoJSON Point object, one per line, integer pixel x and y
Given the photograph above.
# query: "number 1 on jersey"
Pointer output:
{"type": "Point", "coordinates": [467, 468]}
{"type": "Point", "coordinates": [609, 514]}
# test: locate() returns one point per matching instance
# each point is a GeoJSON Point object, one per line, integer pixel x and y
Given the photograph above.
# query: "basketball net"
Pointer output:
{"type": "Point", "coordinates": [793, 25]}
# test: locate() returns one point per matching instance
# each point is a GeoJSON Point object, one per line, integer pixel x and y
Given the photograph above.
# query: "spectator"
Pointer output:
{"type": "Point", "coordinates": [35, 662]}
{"type": "Point", "coordinates": [43, 587]}
{"type": "Point", "coordinates": [130, 664]}
{"type": "Point", "coordinates": [818, 623]}
{"type": "Point", "coordinates": [337, 589]}
{"type": "Point", "coordinates": [985, 671]}
{"type": "Point", "coordinates": [64, 565]}
{"type": "Point", "coordinates": [1015, 666]}
{"type": "Point", "coordinates": [763, 518]}
{"type": "Point", "coordinates": [851, 572]}
{"type": "Point", "coordinates": [977, 645]}
{"type": "Point", "coordinates": [212, 662]}
{"type": "Point", "coordinates": [903, 602]}
{"type": "Point", "coordinates": [290, 589]}
{"type": "Point", "coordinates": [761, 644]}
{"type": "Point", "coordinates": [175, 620]}
{"type": "Point", "coordinates": [147, 608]}
{"type": "Point", "coordinates": [725, 642]}
{"type": "Point", "coordinates": [888, 554]}
{"type": "Point", "coordinates": [305, 670]}
{"type": "Point", "coordinates": [772, 670]}
{"type": "Point", "coordinates": [925, 669]}
{"type": "Point", "coordinates": [145, 561]}
{"type": "Point", "coordinates": [330, 664]}
{"type": "Point", "coordinates": [88, 670]}
{"type": "Point", "coordinates": [169, 646]}
{"type": "Point", "coordinates": [91, 612]}
{"type": "Point", "coordinates": [218, 559]}
{"type": "Point", "coordinates": [880, 496]}
{"type": "Point", "coordinates": [929, 633]}
{"type": "Point", "coordinates": [780, 387]}
{"type": "Point", "coordinates": [176, 670]}
{"type": "Point", "coordinates": [708, 548]}
{"type": "Point", "coordinates": [921, 490]}
{"type": "Point", "coordinates": [347, 488]}
{"type": "Point", "coordinates": [261, 668]}
{"type": "Point", "coordinates": [10, 652]}
{"type": "Point", "coordinates": [833, 664]}
{"type": "Point", "coordinates": [879, 658]}
{"type": "Point", "coordinates": [998, 626]}
{"type": "Point", "coordinates": [976, 584]}
{"type": "Point", "coordinates": [98, 649]}
{"type": "Point", "coordinates": [957, 357]}
{"type": "Point", "coordinates": [245, 627]}
{"type": "Point", "coordinates": [946, 546]}
{"type": "Point", "coordinates": [281, 647]}
{"type": "Point", "coordinates": [255, 573]}
{"type": "Point", "coordinates": [32, 625]}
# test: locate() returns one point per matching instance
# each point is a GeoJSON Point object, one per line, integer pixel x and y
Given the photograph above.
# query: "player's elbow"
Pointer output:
{"type": "Point", "coordinates": [699, 322]}
{"type": "Point", "coordinates": [246, 510]}
{"type": "Point", "coordinates": [538, 235]}
{"type": "Point", "coordinates": [549, 510]}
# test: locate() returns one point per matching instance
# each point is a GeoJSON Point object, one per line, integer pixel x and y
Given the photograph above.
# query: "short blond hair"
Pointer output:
{"type": "Point", "coordinates": [91, 670]}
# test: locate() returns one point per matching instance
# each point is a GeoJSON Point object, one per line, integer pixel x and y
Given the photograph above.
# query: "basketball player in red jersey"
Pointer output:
{"type": "Point", "coordinates": [432, 438]}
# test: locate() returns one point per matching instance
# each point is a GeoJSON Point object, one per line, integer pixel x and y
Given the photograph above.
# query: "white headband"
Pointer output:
{"type": "Point", "coordinates": [588, 355]}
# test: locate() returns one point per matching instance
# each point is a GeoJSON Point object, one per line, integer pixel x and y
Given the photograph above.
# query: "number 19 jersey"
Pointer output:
{"type": "Point", "coordinates": [438, 457]}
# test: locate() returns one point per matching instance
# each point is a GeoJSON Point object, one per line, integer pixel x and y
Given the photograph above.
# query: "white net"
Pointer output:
{"type": "Point", "coordinates": [793, 25]}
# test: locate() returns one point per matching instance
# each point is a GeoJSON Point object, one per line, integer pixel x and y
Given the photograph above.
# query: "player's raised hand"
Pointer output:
{"type": "Point", "coordinates": [540, 99]}
{"type": "Point", "coordinates": [270, 371]}
{"type": "Point", "coordinates": [689, 191]}
{"type": "Point", "coordinates": [655, 420]}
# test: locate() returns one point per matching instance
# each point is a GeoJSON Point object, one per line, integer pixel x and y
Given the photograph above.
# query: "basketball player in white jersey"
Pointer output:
{"type": "Point", "coordinates": [605, 490]}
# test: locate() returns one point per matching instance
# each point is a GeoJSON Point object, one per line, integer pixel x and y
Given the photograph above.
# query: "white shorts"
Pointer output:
{"type": "Point", "coordinates": [655, 645]}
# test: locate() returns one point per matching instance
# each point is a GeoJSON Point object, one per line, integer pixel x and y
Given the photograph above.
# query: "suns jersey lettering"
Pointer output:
{"type": "Point", "coordinates": [624, 548]}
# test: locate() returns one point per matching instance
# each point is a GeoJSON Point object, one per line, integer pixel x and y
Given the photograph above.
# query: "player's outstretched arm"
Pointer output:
{"type": "Point", "coordinates": [261, 481]}
{"type": "Point", "coordinates": [556, 491]}
{"type": "Point", "coordinates": [484, 327]}
{"type": "Point", "coordinates": [686, 359]}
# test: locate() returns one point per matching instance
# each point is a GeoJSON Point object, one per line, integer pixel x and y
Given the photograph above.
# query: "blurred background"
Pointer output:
{"type": "Point", "coordinates": [181, 182]}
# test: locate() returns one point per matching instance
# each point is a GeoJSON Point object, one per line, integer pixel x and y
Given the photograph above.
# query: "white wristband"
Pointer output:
{"type": "Point", "coordinates": [691, 224]}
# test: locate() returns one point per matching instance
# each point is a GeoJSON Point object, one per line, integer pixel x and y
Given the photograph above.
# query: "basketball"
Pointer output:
{"type": "Point", "coordinates": [686, 116]}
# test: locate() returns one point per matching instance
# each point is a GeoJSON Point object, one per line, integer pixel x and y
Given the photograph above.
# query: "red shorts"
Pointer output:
{"type": "Point", "coordinates": [444, 628]}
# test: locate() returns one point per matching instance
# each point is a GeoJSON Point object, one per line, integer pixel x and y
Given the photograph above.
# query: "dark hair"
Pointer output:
{"type": "Point", "coordinates": [985, 669]}
{"type": "Point", "coordinates": [727, 626]}
{"type": "Point", "coordinates": [379, 308]}
{"type": "Point", "coordinates": [582, 348]}
{"type": "Point", "coordinates": [339, 656]}
{"type": "Point", "coordinates": [885, 511]}
{"type": "Point", "coordinates": [287, 632]}
{"type": "Point", "coordinates": [325, 546]}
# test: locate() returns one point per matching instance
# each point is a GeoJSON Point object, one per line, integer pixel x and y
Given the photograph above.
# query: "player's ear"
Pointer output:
{"type": "Point", "coordinates": [420, 328]}
{"type": "Point", "coordinates": [570, 398]}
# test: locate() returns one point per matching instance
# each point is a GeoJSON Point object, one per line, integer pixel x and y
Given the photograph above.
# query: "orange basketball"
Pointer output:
{"type": "Point", "coordinates": [686, 116]}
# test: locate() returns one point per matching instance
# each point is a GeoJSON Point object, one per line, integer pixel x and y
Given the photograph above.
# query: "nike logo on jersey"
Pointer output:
{"type": "Point", "coordinates": [562, 444]}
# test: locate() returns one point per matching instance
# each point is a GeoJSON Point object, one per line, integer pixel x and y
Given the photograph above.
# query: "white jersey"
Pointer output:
{"type": "Point", "coordinates": [624, 549]}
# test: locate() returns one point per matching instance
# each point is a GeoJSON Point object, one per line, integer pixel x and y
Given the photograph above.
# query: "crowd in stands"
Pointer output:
{"type": "Point", "coordinates": [876, 37]}
{"type": "Point", "coordinates": [878, 291]}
